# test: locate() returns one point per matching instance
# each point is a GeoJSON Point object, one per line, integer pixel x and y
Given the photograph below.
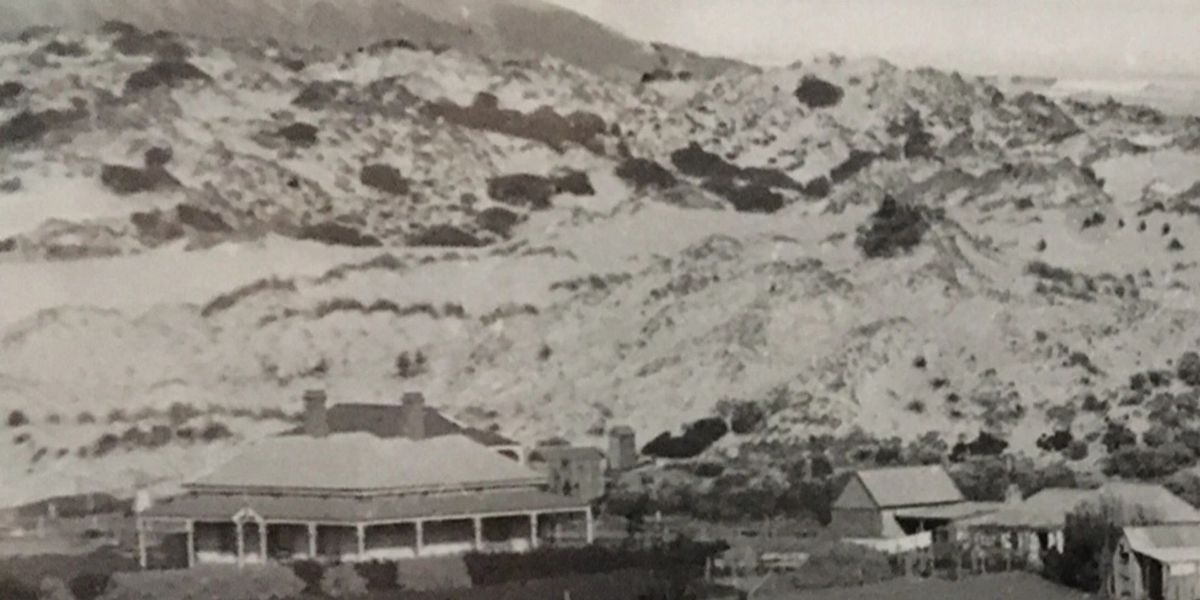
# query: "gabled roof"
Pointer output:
{"type": "Point", "coordinates": [1166, 543]}
{"type": "Point", "coordinates": [571, 453]}
{"type": "Point", "coordinates": [1048, 509]}
{"type": "Point", "coordinates": [353, 462]}
{"type": "Point", "coordinates": [894, 487]}
{"type": "Point", "coordinates": [387, 421]}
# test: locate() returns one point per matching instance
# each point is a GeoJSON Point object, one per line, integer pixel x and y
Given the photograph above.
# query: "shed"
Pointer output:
{"type": "Point", "coordinates": [1156, 563]}
{"type": "Point", "coordinates": [872, 500]}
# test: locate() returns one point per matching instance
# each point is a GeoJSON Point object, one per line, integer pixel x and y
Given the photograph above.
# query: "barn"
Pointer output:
{"type": "Point", "coordinates": [897, 501]}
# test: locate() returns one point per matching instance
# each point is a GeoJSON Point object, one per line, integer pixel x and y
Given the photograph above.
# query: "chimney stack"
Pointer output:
{"type": "Point", "coordinates": [316, 422]}
{"type": "Point", "coordinates": [413, 426]}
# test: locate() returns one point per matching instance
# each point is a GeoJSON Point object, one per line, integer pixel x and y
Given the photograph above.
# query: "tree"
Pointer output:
{"type": "Point", "coordinates": [1089, 538]}
{"type": "Point", "coordinates": [343, 581]}
{"type": "Point", "coordinates": [1188, 369]}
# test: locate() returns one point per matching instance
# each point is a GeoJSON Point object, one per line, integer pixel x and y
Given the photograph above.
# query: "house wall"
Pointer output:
{"type": "Point", "coordinates": [337, 542]}
{"type": "Point", "coordinates": [857, 522]}
{"type": "Point", "coordinates": [287, 542]}
{"type": "Point", "coordinates": [448, 537]}
{"type": "Point", "coordinates": [576, 478]}
{"type": "Point", "coordinates": [391, 542]}
{"type": "Point", "coordinates": [1182, 581]}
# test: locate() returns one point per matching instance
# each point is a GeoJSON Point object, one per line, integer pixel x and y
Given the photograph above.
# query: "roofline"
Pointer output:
{"type": "Point", "coordinates": [362, 492]}
{"type": "Point", "coordinates": [426, 519]}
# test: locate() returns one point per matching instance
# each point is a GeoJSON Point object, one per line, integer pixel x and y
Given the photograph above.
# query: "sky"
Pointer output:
{"type": "Point", "coordinates": [1068, 38]}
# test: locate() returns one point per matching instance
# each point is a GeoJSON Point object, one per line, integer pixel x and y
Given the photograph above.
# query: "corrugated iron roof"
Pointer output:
{"type": "Point", "coordinates": [326, 509]}
{"type": "Point", "coordinates": [571, 453]}
{"type": "Point", "coordinates": [1166, 543]}
{"type": "Point", "coordinates": [363, 462]}
{"type": "Point", "coordinates": [910, 486]}
{"type": "Point", "coordinates": [1048, 509]}
{"type": "Point", "coordinates": [387, 421]}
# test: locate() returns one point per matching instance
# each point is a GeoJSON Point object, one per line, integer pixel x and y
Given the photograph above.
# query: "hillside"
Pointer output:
{"type": "Point", "coordinates": [192, 232]}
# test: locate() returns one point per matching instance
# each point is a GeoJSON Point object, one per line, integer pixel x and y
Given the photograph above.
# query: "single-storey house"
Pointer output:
{"type": "Point", "coordinates": [573, 470]}
{"type": "Point", "coordinates": [351, 497]}
{"type": "Point", "coordinates": [1037, 523]}
{"type": "Point", "coordinates": [409, 418]}
{"type": "Point", "coordinates": [1160, 562]}
{"type": "Point", "coordinates": [895, 502]}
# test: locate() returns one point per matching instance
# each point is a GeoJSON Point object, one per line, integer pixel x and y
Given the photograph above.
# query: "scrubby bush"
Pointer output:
{"type": "Point", "coordinates": [680, 554]}
{"type": "Point", "coordinates": [522, 189]}
{"type": "Point", "coordinates": [165, 73]}
{"type": "Point", "coordinates": [1078, 450]}
{"type": "Point", "coordinates": [746, 417]}
{"type": "Point", "coordinates": [695, 161]}
{"type": "Point", "coordinates": [1117, 436]}
{"type": "Point", "coordinates": [446, 236]}
{"type": "Point", "coordinates": [9, 90]}
{"type": "Point", "coordinates": [574, 182]}
{"type": "Point", "coordinates": [132, 180]}
{"type": "Point", "coordinates": [842, 565]}
{"type": "Point", "coordinates": [437, 573]}
{"type": "Point", "coordinates": [201, 219]}
{"type": "Point", "coordinates": [299, 134]}
{"type": "Point", "coordinates": [408, 366]}
{"type": "Point", "coordinates": [215, 431]}
{"type": "Point", "coordinates": [746, 198]}
{"type": "Point", "coordinates": [89, 586]}
{"type": "Point", "coordinates": [497, 220]}
{"type": "Point", "coordinates": [1188, 369]}
{"type": "Point", "coordinates": [1058, 441]}
{"type": "Point", "coordinates": [379, 575]}
{"type": "Point", "coordinates": [384, 178]}
{"type": "Point", "coordinates": [815, 92]}
{"type": "Point", "coordinates": [343, 581]}
{"type": "Point", "coordinates": [894, 229]}
{"type": "Point", "coordinates": [1139, 462]}
{"type": "Point", "coordinates": [15, 589]}
{"type": "Point", "coordinates": [697, 437]}
{"type": "Point", "coordinates": [984, 444]}
{"type": "Point", "coordinates": [644, 174]}
{"type": "Point", "coordinates": [17, 418]}
{"type": "Point", "coordinates": [855, 163]}
{"type": "Point", "coordinates": [337, 234]}
{"type": "Point", "coordinates": [65, 49]}
{"type": "Point", "coordinates": [310, 573]}
{"type": "Point", "coordinates": [53, 588]}
{"type": "Point", "coordinates": [261, 582]}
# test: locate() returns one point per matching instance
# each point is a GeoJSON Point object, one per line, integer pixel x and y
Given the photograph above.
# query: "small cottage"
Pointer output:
{"type": "Point", "coordinates": [896, 502]}
{"type": "Point", "coordinates": [1160, 562]}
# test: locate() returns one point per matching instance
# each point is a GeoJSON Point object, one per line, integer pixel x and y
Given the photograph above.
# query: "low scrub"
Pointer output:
{"type": "Point", "coordinates": [815, 93]}
{"type": "Point", "coordinates": [446, 236]}
{"type": "Point", "coordinates": [126, 180]}
{"type": "Point", "coordinates": [645, 174]}
{"type": "Point", "coordinates": [165, 73]}
{"type": "Point", "coordinates": [697, 437]}
{"type": "Point", "coordinates": [894, 229]}
{"type": "Point", "coordinates": [497, 220]}
{"type": "Point", "coordinates": [265, 582]}
{"type": "Point", "coordinates": [496, 568]}
{"type": "Point", "coordinates": [842, 565]}
{"type": "Point", "coordinates": [226, 301]}
{"type": "Point", "coordinates": [337, 234]}
{"type": "Point", "coordinates": [543, 125]}
{"type": "Point", "coordinates": [385, 178]}
{"type": "Point", "coordinates": [298, 134]}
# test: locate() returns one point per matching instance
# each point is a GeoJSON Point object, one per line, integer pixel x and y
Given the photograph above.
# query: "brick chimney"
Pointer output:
{"type": "Point", "coordinates": [316, 421]}
{"type": "Point", "coordinates": [413, 426]}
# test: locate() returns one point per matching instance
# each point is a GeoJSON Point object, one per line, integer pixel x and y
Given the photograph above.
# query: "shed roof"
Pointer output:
{"type": "Point", "coordinates": [949, 512]}
{"type": "Point", "coordinates": [1048, 509]}
{"type": "Point", "coordinates": [1166, 543]}
{"type": "Point", "coordinates": [363, 462]}
{"type": "Point", "coordinates": [326, 509]}
{"type": "Point", "coordinates": [910, 486]}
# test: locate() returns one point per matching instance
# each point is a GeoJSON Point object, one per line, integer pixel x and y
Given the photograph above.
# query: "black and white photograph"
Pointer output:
{"type": "Point", "coordinates": [599, 299]}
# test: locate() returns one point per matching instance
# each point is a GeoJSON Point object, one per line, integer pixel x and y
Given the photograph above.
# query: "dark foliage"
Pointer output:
{"type": "Point", "coordinates": [497, 220]}
{"type": "Point", "coordinates": [158, 156]}
{"type": "Point", "coordinates": [65, 49]}
{"type": "Point", "coordinates": [384, 178]}
{"type": "Point", "coordinates": [496, 568]}
{"type": "Point", "coordinates": [697, 437]}
{"type": "Point", "coordinates": [818, 188]}
{"type": "Point", "coordinates": [299, 134]}
{"type": "Point", "coordinates": [16, 418]}
{"type": "Point", "coordinates": [747, 418]}
{"type": "Point", "coordinates": [894, 229]}
{"type": "Point", "coordinates": [1117, 436]}
{"type": "Point", "coordinates": [544, 124]}
{"type": "Point", "coordinates": [1188, 369]}
{"type": "Point", "coordinates": [984, 444]}
{"type": "Point", "coordinates": [381, 576]}
{"type": "Point", "coordinates": [1140, 462]}
{"type": "Point", "coordinates": [408, 366]}
{"type": "Point", "coordinates": [9, 90]}
{"type": "Point", "coordinates": [166, 73]}
{"type": "Point", "coordinates": [446, 236]}
{"type": "Point", "coordinates": [522, 189]}
{"type": "Point", "coordinates": [855, 163]}
{"type": "Point", "coordinates": [215, 431]}
{"type": "Point", "coordinates": [316, 95]}
{"type": "Point", "coordinates": [164, 45]}
{"type": "Point", "coordinates": [1056, 442]}
{"type": "Point", "coordinates": [12, 588]}
{"type": "Point", "coordinates": [201, 219]}
{"type": "Point", "coordinates": [89, 586]}
{"type": "Point", "coordinates": [746, 198]}
{"type": "Point", "coordinates": [132, 180]}
{"type": "Point", "coordinates": [575, 182]}
{"type": "Point", "coordinates": [310, 572]}
{"type": "Point", "coordinates": [23, 128]}
{"type": "Point", "coordinates": [337, 234]}
{"type": "Point", "coordinates": [644, 174]}
{"type": "Point", "coordinates": [815, 92]}
{"type": "Point", "coordinates": [696, 162]}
